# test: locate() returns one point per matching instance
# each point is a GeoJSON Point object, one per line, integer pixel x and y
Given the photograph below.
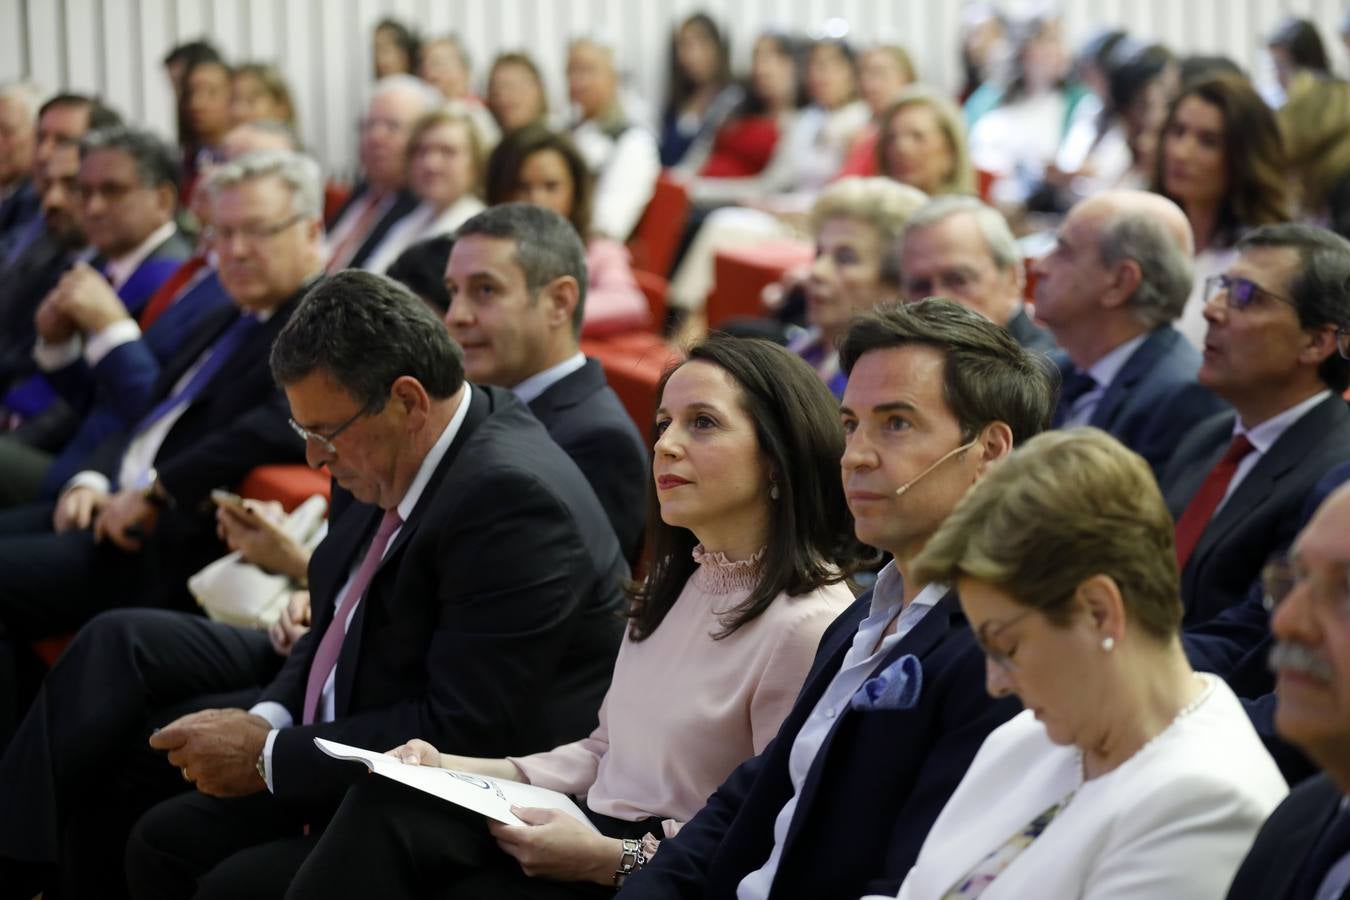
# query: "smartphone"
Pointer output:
{"type": "Point", "coordinates": [227, 498]}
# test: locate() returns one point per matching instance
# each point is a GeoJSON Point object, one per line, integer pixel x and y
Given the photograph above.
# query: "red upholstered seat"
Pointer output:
{"type": "Point", "coordinates": [289, 485]}
{"type": "Point", "coordinates": [740, 275]}
{"type": "Point", "coordinates": [658, 233]}
{"type": "Point", "coordinates": [633, 366]}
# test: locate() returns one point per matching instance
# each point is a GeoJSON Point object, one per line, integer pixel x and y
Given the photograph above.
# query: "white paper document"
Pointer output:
{"type": "Point", "coordinates": [493, 797]}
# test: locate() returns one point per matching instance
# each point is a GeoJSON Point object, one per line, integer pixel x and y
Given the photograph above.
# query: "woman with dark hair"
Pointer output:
{"type": "Point", "coordinates": [1295, 46]}
{"type": "Point", "coordinates": [750, 542]}
{"type": "Point", "coordinates": [1222, 160]}
{"type": "Point", "coordinates": [535, 165]}
{"type": "Point", "coordinates": [204, 118]}
{"type": "Point", "coordinates": [1141, 82]}
{"type": "Point", "coordinates": [394, 49]}
{"type": "Point", "coordinates": [699, 93]}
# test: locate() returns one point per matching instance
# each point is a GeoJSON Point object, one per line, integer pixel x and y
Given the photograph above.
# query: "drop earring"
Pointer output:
{"type": "Point", "coordinates": [773, 491]}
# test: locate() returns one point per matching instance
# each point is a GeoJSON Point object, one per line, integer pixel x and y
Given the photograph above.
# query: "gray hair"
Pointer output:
{"type": "Point", "coordinates": [998, 237]}
{"type": "Point", "coordinates": [1166, 274]}
{"type": "Point", "coordinates": [880, 203]}
{"type": "Point", "coordinates": [547, 246]}
{"type": "Point", "coordinates": [429, 97]}
{"type": "Point", "coordinates": [24, 93]}
{"type": "Point", "coordinates": [299, 172]}
{"type": "Point", "coordinates": [155, 161]}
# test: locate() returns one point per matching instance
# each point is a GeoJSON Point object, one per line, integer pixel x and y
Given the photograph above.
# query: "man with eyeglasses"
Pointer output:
{"type": "Point", "coordinates": [895, 707]}
{"type": "Point", "coordinates": [1110, 289]}
{"type": "Point", "coordinates": [960, 248]}
{"type": "Point", "coordinates": [1238, 480]}
{"type": "Point", "coordinates": [1303, 850]}
{"type": "Point", "coordinates": [380, 199]}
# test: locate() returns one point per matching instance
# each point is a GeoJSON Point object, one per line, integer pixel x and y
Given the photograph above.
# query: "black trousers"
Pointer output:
{"type": "Point", "coordinates": [388, 840]}
{"type": "Point", "coordinates": [79, 772]}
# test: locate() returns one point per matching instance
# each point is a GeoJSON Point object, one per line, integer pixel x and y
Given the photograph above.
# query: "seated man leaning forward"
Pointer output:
{"type": "Point", "coordinates": [1135, 777]}
{"type": "Point", "coordinates": [472, 594]}
{"type": "Point", "coordinates": [894, 707]}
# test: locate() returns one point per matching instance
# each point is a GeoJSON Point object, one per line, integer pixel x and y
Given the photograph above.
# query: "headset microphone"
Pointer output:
{"type": "Point", "coordinates": [946, 456]}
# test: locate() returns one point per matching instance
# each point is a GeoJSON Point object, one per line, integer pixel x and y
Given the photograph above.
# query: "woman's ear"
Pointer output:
{"type": "Point", "coordinates": [1101, 601]}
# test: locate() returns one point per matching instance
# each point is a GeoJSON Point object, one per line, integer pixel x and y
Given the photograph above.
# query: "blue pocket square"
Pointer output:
{"type": "Point", "coordinates": [895, 687]}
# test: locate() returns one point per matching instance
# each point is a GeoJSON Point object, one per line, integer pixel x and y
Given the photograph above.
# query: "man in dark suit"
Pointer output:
{"type": "Point", "coordinates": [839, 803]}
{"type": "Point", "coordinates": [1303, 850]}
{"type": "Point", "coordinates": [1119, 275]}
{"type": "Point", "coordinates": [1238, 481]}
{"type": "Point", "coordinates": [961, 248]}
{"type": "Point", "coordinates": [132, 527]}
{"type": "Point", "coordinates": [483, 612]}
{"type": "Point", "coordinates": [380, 198]}
{"type": "Point", "coordinates": [517, 282]}
{"type": "Point", "coordinates": [18, 134]}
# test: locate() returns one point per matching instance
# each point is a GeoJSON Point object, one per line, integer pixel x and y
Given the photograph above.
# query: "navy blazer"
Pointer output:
{"type": "Point", "coordinates": [1275, 860]}
{"type": "Point", "coordinates": [23, 284]}
{"type": "Point", "coordinates": [872, 793]}
{"type": "Point", "coordinates": [118, 391]}
{"type": "Point", "coordinates": [491, 625]}
{"type": "Point", "coordinates": [1263, 515]}
{"type": "Point", "coordinates": [584, 416]}
{"type": "Point", "coordinates": [1154, 399]}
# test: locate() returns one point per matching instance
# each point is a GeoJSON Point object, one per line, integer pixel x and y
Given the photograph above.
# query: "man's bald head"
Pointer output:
{"type": "Point", "coordinates": [1122, 203]}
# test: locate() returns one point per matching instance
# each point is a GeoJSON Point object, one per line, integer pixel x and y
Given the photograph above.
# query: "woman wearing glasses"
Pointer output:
{"type": "Point", "coordinates": [1128, 775]}
{"type": "Point", "coordinates": [1222, 159]}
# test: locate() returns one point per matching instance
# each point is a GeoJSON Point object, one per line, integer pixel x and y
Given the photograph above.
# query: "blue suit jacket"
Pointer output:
{"type": "Point", "coordinates": [118, 391]}
{"type": "Point", "coordinates": [1284, 843]}
{"type": "Point", "coordinates": [1265, 511]}
{"type": "Point", "coordinates": [1154, 398]}
{"type": "Point", "coordinates": [872, 793]}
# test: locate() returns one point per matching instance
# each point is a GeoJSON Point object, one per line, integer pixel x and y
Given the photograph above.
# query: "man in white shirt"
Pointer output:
{"type": "Point", "coordinates": [1237, 483]}
{"type": "Point", "coordinates": [1117, 278]}
{"type": "Point", "coordinates": [895, 706]}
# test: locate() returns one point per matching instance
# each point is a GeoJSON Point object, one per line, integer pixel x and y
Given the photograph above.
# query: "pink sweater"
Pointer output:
{"type": "Point", "coordinates": [684, 710]}
{"type": "Point", "coordinates": [614, 302]}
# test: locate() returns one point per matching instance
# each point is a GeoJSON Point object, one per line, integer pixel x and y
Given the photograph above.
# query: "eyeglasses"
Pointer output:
{"type": "Point", "coordinates": [985, 638]}
{"type": "Point", "coordinates": [325, 441]}
{"type": "Point", "coordinates": [1239, 293]}
{"type": "Point", "coordinates": [253, 234]}
{"type": "Point", "coordinates": [1281, 576]}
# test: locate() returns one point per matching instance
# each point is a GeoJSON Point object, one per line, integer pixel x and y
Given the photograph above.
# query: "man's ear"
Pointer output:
{"type": "Point", "coordinates": [411, 398]}
{"type": "Point", "coordinates": [1126, 276]}
{"type": "Point", "coordinates": [1320, 346]}
{"type": "Point", "coordinates": [995, 442]}
{"type": "Point", "coordinates": [166, 197]}
{"type": "Point", "coordinates": [562, 295]}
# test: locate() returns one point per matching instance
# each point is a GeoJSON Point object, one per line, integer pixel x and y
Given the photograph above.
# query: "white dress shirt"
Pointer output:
{"type": "Point", "coordinates": [625, 168]}
{"type": "Point", "coordinates": [1264, 436]}
{"type": "Point", "coordinates": [868, 649]}
{"type": "Point", "coordinates": [277, 714]}
{"type": "Point", "coordinates": [1103, 372]}
{"type": "Point", "coordinates": [530, 389]}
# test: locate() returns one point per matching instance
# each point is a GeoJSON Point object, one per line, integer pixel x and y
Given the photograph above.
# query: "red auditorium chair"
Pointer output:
{"type": "Point", "coordinates": [633, 365]}
{"type": "Point", "coordinates": [658, 233]}
{"type": "Point", "coordinates": [740, 275]}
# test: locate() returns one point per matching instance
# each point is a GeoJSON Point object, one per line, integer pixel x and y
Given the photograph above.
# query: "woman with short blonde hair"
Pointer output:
{"type": "Point", "coordinates": [1128, 775]}
{"type": "Point", "coordinates": [923, 144]}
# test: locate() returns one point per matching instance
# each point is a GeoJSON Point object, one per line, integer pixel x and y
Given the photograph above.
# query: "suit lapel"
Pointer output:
{"type": "Point", "coordinates": [1140, 363]}
{"type": "Point", "coordinates": [1284, 455]}
{"type": "Point", "coordinates": [920, 640]}
{"type": "Point", "coordinates": [349, 655]}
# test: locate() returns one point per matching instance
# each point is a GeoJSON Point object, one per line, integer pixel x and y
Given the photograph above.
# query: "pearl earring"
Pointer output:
{"type": "Point", "coordinates": [773, 491]}
{"type": "Point", "coordinates": [1108, 644]}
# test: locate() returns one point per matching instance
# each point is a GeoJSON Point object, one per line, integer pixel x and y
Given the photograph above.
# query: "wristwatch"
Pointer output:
{"type": "Point", "coordinates": [262, 766]}
{"type": "Point", "coordinates": [632, 858]}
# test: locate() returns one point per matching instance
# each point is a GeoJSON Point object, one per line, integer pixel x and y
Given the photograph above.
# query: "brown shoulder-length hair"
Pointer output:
{"type": "Point", "coordinates": [810, 537]}
{"type": "Point", "coordinates": [509, 156]}
{"type": "Point", "coordinates": [1258, 190]}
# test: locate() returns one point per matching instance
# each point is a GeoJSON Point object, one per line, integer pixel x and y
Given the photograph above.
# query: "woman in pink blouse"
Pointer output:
{"type": "Point", "coordinates": [536, 165]}
{"type": "Point", "coordinates": [749, 553]}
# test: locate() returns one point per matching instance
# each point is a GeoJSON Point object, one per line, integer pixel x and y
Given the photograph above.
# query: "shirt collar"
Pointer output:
{"type": "Point", "coordinates": [122, 268]}
{"type": "Point", "coordinates": [1264, 436]}
{"type": "Point", "coordinates": [1105, 370]}
{"type": "Point", "coordinates": [889, 592]}
{"type": "Point", "coordinates": [435, 455]}
{"type": "Point", "coordinates": [529, 390]}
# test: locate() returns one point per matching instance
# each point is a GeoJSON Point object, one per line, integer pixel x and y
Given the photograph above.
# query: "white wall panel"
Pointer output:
{"type": "Point", "coordinates": [323, 46]}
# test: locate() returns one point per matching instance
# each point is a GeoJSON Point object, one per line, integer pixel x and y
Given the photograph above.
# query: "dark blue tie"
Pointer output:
{"type": "Point", "coordinates": [1076, 384]}
{"type": "Point", "coordinates": [220, 353]}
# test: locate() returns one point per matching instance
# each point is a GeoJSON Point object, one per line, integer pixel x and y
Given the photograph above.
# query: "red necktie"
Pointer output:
{"type": "Point", "coordinates": [1198, 512]}
{"type": "Point", "coordinates": [325, 658]}
{"type": "Point", "coordinates": [168, 292]}
{"type": "Point", "coordinates": [351, 242]}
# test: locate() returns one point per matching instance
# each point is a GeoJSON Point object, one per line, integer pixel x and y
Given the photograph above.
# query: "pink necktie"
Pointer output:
{"type": "Point", "coordinates": [325, 658]}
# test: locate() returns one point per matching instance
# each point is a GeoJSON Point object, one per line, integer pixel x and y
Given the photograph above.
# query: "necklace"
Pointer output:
{"type": "Point", "coordinates": [1207, 688]}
